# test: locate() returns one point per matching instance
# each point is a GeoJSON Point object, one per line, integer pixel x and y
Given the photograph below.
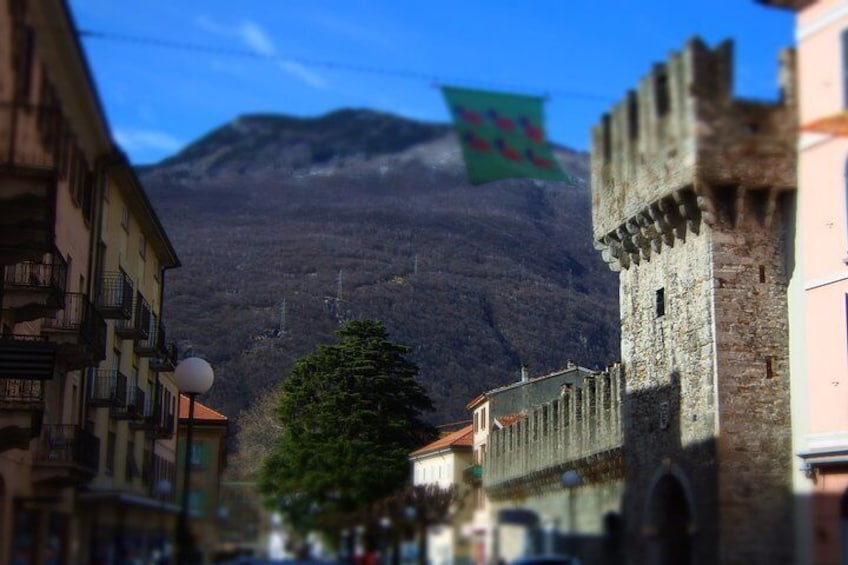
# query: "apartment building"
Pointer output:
{"type": "Point", "coordinates": [818, 289]}
{"type": "Point", "coordinates": [445, 462]}
{"type": "Point", "coordinates": [87, 401]}
{"type": "Point", "coordinates": [131, 402]}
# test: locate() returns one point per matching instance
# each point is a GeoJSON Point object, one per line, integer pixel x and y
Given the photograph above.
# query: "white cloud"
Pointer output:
{"type": "Point", "coordinates": [258, 40]}
{"type": "Point", "coordinates": [140, 139]}
{"type": "Point", "coordinates": [312, 79]}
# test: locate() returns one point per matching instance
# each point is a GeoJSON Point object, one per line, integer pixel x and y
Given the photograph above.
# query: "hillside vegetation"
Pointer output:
{"type": "Point", "coordinates": [287, 226]}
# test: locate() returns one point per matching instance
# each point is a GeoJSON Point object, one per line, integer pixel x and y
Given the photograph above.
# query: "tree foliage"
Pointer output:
{"type": "Point", "coordinates": [258, 431]}
{"type": "Point", "coordinates": [350, 412]}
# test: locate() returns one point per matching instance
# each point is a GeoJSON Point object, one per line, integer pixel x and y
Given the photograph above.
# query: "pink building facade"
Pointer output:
{"type": "Point", "coordinates": [818, 293]}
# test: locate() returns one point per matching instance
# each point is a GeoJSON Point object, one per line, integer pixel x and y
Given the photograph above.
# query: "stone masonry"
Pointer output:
{"type": "Point", "coordinates": [692, 191]}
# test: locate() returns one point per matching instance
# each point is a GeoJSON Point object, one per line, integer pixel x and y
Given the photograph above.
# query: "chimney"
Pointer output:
{"type": "Point", "coordinates": [524, 377]}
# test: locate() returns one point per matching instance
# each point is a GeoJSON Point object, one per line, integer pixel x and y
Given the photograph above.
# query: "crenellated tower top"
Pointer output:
{"type": "Point", "coordinates": [681, 150]}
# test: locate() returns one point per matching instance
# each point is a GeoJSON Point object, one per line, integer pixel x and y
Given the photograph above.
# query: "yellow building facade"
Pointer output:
{"type": "Point", "coordinates": [88, 405]}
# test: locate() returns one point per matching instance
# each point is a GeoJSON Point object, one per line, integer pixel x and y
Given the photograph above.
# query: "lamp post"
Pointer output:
{"type": "Point", "coordinates": [193, 376]}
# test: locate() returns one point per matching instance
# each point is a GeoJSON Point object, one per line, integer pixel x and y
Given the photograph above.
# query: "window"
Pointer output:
{"type": "Point", "coordinates": [845, 68]}
{"type": "Point", "coordinates": [131, 470]}
{"type": "Point", "coordinates": [483, 419]}
{"type": "Point", "coordinates": [110, 454]}
{"type": "Point", "coordinates": [142, 245]}
{"type": "Point", "coordinates": [660, 307]}
{"type": "Point", "coordinates": [125, 217]}
{"type": "Point", "coordinates": [24, 48]}
{"type": "Point", "coordinates": [196, 455]}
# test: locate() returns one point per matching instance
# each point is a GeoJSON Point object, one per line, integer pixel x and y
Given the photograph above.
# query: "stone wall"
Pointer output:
{"type": "Point", "coordinates": [690, 189]}
{"type": "Point", "coordinates": [519, 396]}
{"type": "Point", "coordinates": [584, 422]}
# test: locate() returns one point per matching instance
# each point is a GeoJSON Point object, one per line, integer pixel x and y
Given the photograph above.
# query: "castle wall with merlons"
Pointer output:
{"type": "Point", "coordinates": [691, 193]}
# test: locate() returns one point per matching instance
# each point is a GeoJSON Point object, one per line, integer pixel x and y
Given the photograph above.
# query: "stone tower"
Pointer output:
{"type": "Point", "coordinates": [692, 194]}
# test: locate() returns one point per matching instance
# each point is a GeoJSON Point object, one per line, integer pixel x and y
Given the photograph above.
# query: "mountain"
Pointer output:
{"type": "Point", "coordinates": [285, 226]}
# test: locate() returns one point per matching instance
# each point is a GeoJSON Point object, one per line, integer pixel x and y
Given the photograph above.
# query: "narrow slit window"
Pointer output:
{"type": "Point", "coordinates": [660, 305]}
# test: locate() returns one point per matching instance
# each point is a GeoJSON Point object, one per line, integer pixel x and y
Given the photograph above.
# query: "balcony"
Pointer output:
{"type": "Point", "coordinates": [21, 394]}
{"type": "Point", "coordinates": [165, 360]}
{"type": "Point", "coordinates": [28, 140]}
{"type": "Point", "coordinates": [133, 406]}
{"type": "Point", "coordinates": [26, 357]}
{"type": "Point", "coordinates": [33, 290]}
{"type": "Point", "coordinates": [115, 296]}
{"type": "Point", "coordinates": [154, 421]}
{"type": "Point", "coordinates": [149, 346]}
{"type": "Point", "coordinates": [107, 387]}
{"type": "Point", "coordinates": [80, 331]}
{"type": "Point", "coordinates": [67, 455]}
{"type": "Point", "coordinates": [139, 325]}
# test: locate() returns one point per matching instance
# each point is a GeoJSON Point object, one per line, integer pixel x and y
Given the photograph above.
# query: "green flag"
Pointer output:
{"type": "Point", "coordinates": [502, 135]}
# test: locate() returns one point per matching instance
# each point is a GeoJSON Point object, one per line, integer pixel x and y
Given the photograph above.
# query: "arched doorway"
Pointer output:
{"type": "Point", "coordinates": [671, 518]}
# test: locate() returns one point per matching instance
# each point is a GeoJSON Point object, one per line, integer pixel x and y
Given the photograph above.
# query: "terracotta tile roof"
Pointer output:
{"type": "Point", "coordinates": [475, 401]}
{"type": "Point", "coordinates": [509, 419]}
{"type": "Point", "coordinates": [201, 411]}
{"type": "Point", "coordinates": [459, 439]}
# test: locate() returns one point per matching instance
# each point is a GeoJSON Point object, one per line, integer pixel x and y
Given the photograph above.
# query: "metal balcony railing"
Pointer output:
{"type": "Point", "coordinates": [26, 357]}
{"type": "Point", "coordinates": [107, 387]}
{"type": "Point", "coordinates": [81, 319]}
{"type": "Point", "coordinates": [65, 444]}
{"type": "Point", "coordinates": [34, 289]}
{"type": "Point", "coordinates": [166, 360]}
{"type": "Point", "coordinates": [138, 326]}
{"type": "Point", "coordinates": [132, 407]}
{"type": "Point", "coordinates": [50, 274]}
{"type": "Point", "coordinates": [115, 296]}
{"type": "Point", "coordinates": [21, 391]}
{"type": "Point", "coordinates": [148, 346]}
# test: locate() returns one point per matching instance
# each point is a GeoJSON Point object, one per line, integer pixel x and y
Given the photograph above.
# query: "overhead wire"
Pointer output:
{"type": "Point", "coordinates": [432, 79]}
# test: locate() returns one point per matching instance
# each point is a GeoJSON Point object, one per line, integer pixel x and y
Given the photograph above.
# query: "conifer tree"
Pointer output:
{"type": "Point", "coordinates": [351, 412]}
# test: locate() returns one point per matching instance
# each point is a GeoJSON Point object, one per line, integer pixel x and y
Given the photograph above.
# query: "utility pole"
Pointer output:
{"type": "Point", "coordinates": [339, 286]}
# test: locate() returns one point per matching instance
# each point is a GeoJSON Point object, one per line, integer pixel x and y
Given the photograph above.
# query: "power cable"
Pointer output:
{"type": "Point", "coordinates": [334, 65]}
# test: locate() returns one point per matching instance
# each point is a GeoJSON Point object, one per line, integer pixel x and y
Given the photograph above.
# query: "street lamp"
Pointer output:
{"type": "Point", "coordinates": [193, 376]}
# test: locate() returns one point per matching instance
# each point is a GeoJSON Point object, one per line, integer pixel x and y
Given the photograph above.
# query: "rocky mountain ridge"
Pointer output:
{"type": "Point", "coordinates": [285, 226]}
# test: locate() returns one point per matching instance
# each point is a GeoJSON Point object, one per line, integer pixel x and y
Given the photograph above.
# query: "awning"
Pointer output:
{"type": "Point", "coordinates": [835, 125]}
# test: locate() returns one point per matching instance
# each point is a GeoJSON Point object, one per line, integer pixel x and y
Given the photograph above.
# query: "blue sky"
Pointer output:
{"type": "Point", "coordinates": [585, 55]}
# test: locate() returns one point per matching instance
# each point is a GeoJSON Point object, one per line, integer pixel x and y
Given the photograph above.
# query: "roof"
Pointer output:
{"type": "Point", "coordinates": [509, 419]}
{"type": "Point", "coordinates": [476, 401]}
{"type": "Point", "coordinates": [460, 439]}
{"type": "Point", "coordinates": [201, 412]}
{"type": "Point", "coordinates": [559, 372]}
